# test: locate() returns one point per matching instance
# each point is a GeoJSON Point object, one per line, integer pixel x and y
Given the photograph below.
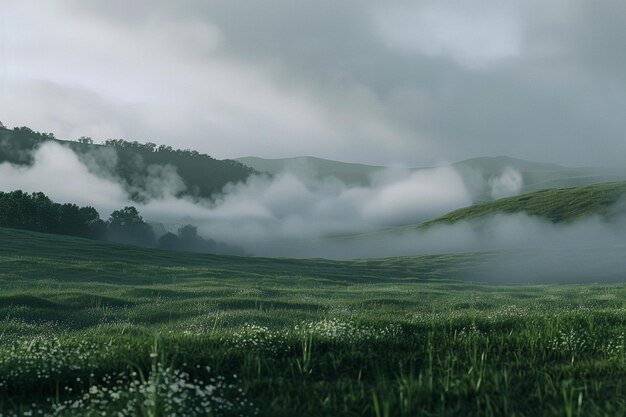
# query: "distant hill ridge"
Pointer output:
{"type": "Point", "coordinates": [476, 172]}
{"type": "Point", "coordinates": [349, 173]}
{"type": "Point", "coordinates": [204, 176]}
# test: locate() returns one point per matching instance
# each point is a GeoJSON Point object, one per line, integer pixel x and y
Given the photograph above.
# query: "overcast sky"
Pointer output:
{"type": "Point", "coordinates": [393, 82]}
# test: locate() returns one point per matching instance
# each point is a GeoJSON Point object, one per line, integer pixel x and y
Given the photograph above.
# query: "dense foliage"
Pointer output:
{"type": "Point", "coordinates": [16, 145]}
{"type": "Point", "coordinates": [38, 213]}
{"type": "Point", "coordinates": [127, 226]}
{"type": "Point", "coordinates": [202, 175]}
{"type": "Point", "coordinates": [88, 328]}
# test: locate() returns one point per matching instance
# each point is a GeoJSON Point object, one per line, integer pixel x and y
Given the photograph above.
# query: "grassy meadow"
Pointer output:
{"type": "Point", "coordinates": [96, 329]}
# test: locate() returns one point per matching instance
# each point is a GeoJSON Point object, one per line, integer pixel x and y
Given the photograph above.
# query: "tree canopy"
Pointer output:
{"type": "Point", "coordinates": [127, 226]}
{"type": "Point", "coordinates": [37, 212]}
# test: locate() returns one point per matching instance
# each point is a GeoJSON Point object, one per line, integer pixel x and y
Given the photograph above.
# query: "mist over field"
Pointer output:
{"type": "Point", "coordinates": [295, 215]}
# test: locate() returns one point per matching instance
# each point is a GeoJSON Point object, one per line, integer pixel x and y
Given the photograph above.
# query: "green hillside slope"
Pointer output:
{"type": "Point", "coordinates": [134, 164]}
{"type": "Point", "coordinates": [556, 205]}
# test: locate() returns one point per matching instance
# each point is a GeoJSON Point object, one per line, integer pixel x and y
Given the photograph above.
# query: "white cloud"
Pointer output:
{"type": "Point", "coordinates": [59, 173]}
{"type": "Point", "coordinates": [509, 183]}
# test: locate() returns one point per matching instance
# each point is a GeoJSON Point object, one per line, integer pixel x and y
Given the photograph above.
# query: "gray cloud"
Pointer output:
{"type": "Point", "coordinates": [394, 82]}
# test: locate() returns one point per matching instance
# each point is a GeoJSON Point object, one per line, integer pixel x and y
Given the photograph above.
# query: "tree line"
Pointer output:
{"type": "Point", "coordinates": [148, 146]}
{"type": "Point", "coordinates": [37, 212]}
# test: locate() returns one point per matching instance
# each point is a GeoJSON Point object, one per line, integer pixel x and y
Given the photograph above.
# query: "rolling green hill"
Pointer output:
{"type": "Point", "coordinates": [557, 205]}
{"type": "Point", "coordinates": [134, 163]}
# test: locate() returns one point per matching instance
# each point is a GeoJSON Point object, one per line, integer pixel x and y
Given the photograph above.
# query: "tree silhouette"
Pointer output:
{"type": "Point", "coordinates": [127, 226]}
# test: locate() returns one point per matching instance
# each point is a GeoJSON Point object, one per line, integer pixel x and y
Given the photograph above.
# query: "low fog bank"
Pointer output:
{"type": "Point", "coordinates": [291, 215]}
{"type": "Point", "coordinates": [514, 248]}
{"type": "Point", "coordinates": [264, 214]}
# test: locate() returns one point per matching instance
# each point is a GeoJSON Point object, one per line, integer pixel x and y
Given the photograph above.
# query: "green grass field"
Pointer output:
{"type": "Point", "coordinates": [94, 329]}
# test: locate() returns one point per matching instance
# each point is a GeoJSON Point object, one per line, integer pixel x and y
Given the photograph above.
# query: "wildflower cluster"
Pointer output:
{"type": "Point", "coordinates": [572, 341]}
{"type": "Point", "coordinates": [166, 391]}
{"type": "Point", "coordinates": [341, 330]}
{"type": "Point", "coordinates": [46, 357]}
{"type": "Point", "coordinates": [14, 328]}
{"type": "Point", "coordinates": [508, 312]}
{"type": "Point", "coordinates": [254, 336]}
{"type": "Point", "coordinates": [615, 346]}
{"type": "Point", "coordinates": [581, 341]}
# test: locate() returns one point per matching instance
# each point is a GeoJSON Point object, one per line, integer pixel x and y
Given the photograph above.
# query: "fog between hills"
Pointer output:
{"type": "Point", "coordinates": [291, 215]}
